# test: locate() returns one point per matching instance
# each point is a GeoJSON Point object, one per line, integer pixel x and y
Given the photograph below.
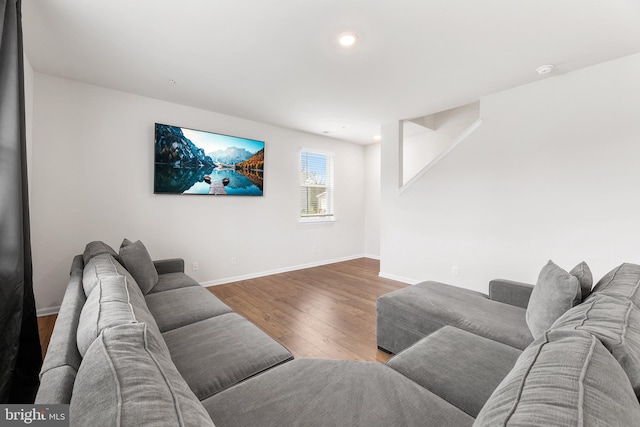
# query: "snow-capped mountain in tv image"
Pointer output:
{"type": "Point", "coordinates": [230, 155]}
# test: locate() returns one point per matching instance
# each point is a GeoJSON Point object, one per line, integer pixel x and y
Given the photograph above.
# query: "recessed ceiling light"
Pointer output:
{"type": "Point", "coordinates": [544, 69]}
{"type": "Point", "coordinates": [347, 39]}
{"type": "Point", "coordinates": [377, 137]}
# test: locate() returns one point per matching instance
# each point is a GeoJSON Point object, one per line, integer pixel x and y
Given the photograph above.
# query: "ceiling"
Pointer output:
{"type": "Point", "coordinates": [279, 62]}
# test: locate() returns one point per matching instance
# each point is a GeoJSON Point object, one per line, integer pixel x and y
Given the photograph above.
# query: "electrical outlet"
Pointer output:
{"type": "Point", "coordinates": [194, 266]}
{"type": "Point", "coordinates": [314, 250]}
{"type": "Point", "coordinates": [234, 260]}
{"type": "Point", "coordinates": [454, 270]}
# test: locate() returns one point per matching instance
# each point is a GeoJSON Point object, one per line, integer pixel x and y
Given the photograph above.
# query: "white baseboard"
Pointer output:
{"type": "Point", "coordinates": [372, 256]}
{"type": "Point", "coordinates": [47, 311]}
{"type": "Point", "coordinates": [279, 270]}
{"type": "Point", "coordinates": [406, 280]}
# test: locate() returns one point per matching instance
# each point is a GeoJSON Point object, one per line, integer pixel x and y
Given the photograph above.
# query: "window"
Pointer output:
{"type": "Point", "coordinates": [316, 186]}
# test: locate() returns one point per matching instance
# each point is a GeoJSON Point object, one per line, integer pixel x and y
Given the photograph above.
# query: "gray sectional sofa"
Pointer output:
{"type": "Point", "coordinates": [140, 343]}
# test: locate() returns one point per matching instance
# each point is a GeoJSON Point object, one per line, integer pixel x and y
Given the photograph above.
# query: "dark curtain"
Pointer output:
{"type": "Point", "coordinates": [20, 354]}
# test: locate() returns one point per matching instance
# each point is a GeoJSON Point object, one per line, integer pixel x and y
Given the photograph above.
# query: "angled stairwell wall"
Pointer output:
{"type": "Point", "coordinates": [428, 139]}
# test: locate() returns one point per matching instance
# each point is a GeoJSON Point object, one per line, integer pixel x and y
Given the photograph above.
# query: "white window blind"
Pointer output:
{"type": "Point", "coordinates": [316, 186]}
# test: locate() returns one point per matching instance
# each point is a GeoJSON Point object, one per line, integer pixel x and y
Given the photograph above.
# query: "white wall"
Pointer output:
{"type": "Point", "coordinates": [552, 173]}
{"type": "Point", "coordinates": [92, 179]}
{"type": "Point", "coordinates": [372, 201]}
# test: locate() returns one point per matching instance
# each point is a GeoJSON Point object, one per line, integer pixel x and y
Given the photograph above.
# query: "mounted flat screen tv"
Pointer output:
{"type": "Point", "coordinates": [189, 161]}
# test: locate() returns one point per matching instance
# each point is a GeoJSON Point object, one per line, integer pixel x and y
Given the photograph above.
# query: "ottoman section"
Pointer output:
{"type": "Point", "coordinates": [319, 393]}
{"type": "Point", "coordinates": [180, 307]}
{"type": "Point", "coordinates": [219, 352]}
{"type": "Point", "coordinates": [406, 315]}
{"type": "Point", "coordinates": [460, 367]}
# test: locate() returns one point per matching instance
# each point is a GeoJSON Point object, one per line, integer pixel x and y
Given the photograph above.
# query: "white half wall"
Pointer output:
{"type": "Point", "coordinates": [92, 179]}
{"type": "Point", "coordinates": [552, 173]}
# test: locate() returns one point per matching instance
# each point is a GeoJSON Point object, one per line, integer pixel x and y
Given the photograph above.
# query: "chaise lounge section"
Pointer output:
{"type": "Point", "coordinates": [407, 315]}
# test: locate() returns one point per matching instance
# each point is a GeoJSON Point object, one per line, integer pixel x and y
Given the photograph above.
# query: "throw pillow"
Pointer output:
{"type": "Point", "coordinates": [556, 291]}
{"type": "Point", "coordinates": [583, 273]}
{"type": "Point", "coordinates": [137, 260]}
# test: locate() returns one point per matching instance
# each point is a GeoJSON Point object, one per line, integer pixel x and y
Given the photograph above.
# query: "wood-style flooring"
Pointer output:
{"type": "Point", "coordinates": [326, 312]}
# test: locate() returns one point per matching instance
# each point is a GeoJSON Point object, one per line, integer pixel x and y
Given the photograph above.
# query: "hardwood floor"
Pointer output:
{"type": "Point", "coordinates": [45, 328]}
{"type": "Point", "coordinates": [326, 312]}
{"type": "Point", "coordinates": [321, 312]}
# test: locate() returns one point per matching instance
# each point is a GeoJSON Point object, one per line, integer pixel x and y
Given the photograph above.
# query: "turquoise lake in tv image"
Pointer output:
{"type": "Point", "coordinates": [239, 184]}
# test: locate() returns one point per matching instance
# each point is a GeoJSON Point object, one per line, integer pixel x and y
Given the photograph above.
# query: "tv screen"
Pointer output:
{"type": "Point", "coordinates": [189, 161]}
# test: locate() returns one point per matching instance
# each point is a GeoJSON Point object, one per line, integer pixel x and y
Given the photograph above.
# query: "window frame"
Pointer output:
{"type": "Point", "coordinates": [329, 187]}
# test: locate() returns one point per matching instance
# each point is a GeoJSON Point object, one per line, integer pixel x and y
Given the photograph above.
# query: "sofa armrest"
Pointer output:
{"type": "Point", "coordinates": [510, 292]}
{"type": "Point", "coordinates": [173, 265]}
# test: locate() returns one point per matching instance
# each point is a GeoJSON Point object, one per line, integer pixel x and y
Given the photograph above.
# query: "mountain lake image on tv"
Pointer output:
{"type": "Point", "coordinates": [189, 161]}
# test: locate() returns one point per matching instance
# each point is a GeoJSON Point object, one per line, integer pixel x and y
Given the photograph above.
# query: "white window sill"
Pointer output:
{"type": "Point", "coordinates": [322, 220]}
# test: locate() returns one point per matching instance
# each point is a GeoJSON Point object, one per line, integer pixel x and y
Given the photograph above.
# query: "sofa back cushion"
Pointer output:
{"type": "Point", "coordinates": [563, 378]}
{"type": "Point", "coordinates": [623, 282]}
{"type": "Point", "coordinates": [556, 291]}
{"type": "Point", "coordinates": [138, 262]}
{"type": "Point", "coordinates": [115, 300]}
{"type": "Point", "coordinates": [97, 248]}
{"type": "Point", "coordinates": [616, 323]}
{"type": "Point", "coordinates": [100, 266]}
{"type": "Point", "coordinates": [128, 379]}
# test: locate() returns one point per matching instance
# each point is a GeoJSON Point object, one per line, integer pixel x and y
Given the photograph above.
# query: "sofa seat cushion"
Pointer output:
{"type": "Point", "coordinates": [127, 378]}
{"type": "Point", "coordinates": [319, 393]}
{"type": "Point", "coordinates": [114, 301]}
{"type": "Point", "coordinates": [564, 378]}
{"type": "Point", "coordinates": [179, 307]}
{"type": "Point", "coordinates": [462, 368]}
{"type": "Point", "coordinates": [623, 282]}
{"type": "Point", "coordinates": [219, 352]}
{"type": "Point", "coordinates": [171, 281]}
{"type": "Point", "coordinates": [616, 323]}
{"type": "Point", "coordinates": [417, 311]}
